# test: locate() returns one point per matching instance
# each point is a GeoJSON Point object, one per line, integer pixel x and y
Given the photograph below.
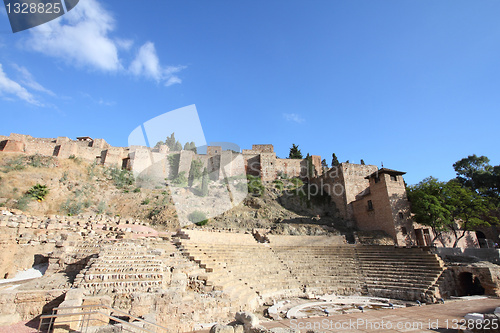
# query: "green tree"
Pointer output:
{"type": "Point", "coordinates": [171, 143]}
{"type": "Point", "coordinates": [475, 173]}
{"type": "Point", "coordinates": [469, 209]}
{"type": "Point", "coordinates": [324, 164]}
{"type": "Point", "coordinates": [362, 162]}
{"type": "Point", "coordinates": [190, 146]}
{"type": "Point", "coordinates": [295, 152]}
{"type": "Point", "coordinates": [335, 160]}
{"type": "Point", "coordinates": [429, 205]}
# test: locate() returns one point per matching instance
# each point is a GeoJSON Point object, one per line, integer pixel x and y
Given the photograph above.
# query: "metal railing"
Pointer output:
{"type": "Point", "coordinates": [84, 318]}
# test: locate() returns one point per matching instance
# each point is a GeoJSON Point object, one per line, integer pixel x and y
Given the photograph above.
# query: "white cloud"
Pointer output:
{"type": "Point", "coordinates": [29, 81]}
{"type": "Point", "coordinates": [83, 38]}
{"type": "Point", "coordinates": [124, 44]}
{"type": "Point", "coordinates": [11, 87]}
{"type": "Point", "coordinates": [80, 37]}
{"type": "Point", "coordinates": [147, 64]}
{"type": "Point", "coordinates": [293, 117]}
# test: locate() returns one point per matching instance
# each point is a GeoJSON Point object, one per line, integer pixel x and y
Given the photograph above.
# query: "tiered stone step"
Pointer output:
{"type": "Point", "coordinates": [398, 272]}
{"type": "Point", "coordinates": [122, 267]}
{"type": "Point", "coordinates": [328, 268]}
{"type": "Point", "coordinates": [247, 271]}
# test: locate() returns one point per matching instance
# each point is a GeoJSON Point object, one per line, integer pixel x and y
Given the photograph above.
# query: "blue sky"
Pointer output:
{"type": "Point", "coordinates": [412, 84]}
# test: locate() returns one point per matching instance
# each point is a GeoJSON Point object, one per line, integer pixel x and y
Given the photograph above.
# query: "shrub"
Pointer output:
{"type": "Point", "coordinates": [278, 184]}
{"type": "Point", "coordinates": [297, 182]}
{"type": "Point", "coordinates": [64, 177]}
{"type": "Point", "coordinates": [155, 211]}
{"type": "Point", "coordinates": [23, 202]}
{"type": "Point", "coordinates": [255, 186]}
{"type": "Point", "coordinates": [14, 164]}
{"type": "Point", "coordinates": [38, 192]}
{"type": "Point", "coordinates": [145, 201]}
{"type": "Point", "coordinates": [180, 180]}
{"type": "Point", "coordinates": [101, 207]}
{"type": "Point", "coordinates": [121, 178]}
{"type": "Point", "coordinates": [91, 170]}
{"type": "Point", "coordinates": [282, 175]}
{"type": "Point", "coordinates": [72, 207]}
{"type": "Point", "coordinates": [75, 159]}
{"type": "Point", "coordinates": [137, 190]}
{"type": "Point", "coordinates": [198, 217]}
{"type": "Point", "coordinates": [201, 223]}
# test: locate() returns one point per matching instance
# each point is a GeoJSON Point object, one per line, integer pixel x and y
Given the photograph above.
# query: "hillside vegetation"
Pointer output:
{"type": "Point", "coordinates": [42, 185]}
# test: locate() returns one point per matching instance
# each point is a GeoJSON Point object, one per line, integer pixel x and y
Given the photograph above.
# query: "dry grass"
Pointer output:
{"type": "Point", "coordinates": [69, 183]}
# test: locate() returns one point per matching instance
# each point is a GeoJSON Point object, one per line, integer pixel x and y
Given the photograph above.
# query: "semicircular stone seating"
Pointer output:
{"type": "Point", "coordinates": [122, 267]}
{"type": "Point", "coordinates": [251, 273]}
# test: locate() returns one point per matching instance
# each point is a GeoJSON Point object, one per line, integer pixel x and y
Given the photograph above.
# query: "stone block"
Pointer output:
{"type": "Point", "coordinates": [218, 328]}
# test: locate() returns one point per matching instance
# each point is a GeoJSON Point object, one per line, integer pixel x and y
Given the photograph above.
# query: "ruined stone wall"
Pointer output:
{"type": "Point", "coordinates": [488, 275]}
{"type": "Point", "coordinates": [316, 161]}
{"type": "Point", "coordinates": [354, 182]}
{"type": "Point", "coordinates": [214, 150]}
{"type": "Point", "coordinates": [62, 139]}
{"type": "Point", "coordinates": [380, 217]}
{"type": "Point", "coordinates": [186, 157]}
{"type": "Point", "coordinates": [263, 148]}
{"type": "Point", "coordinates": [113, 157]}
{"type": "Point", "coordinates": [400, 207]}
{"type": "Point", "coordinates": [232, 164]}
{"type": "Point", "coordinates": [344, 183]}
{"type": "Point", "coordinates": [252, 164]}
{"type": "Point", "coordinates": [291, 167]}
{"type": "Point", "coordinates": [13, 146]}
{"type": "Point", "coordinates": [88, 153]}
{"type": "Point", "coordinates": [268, 166]}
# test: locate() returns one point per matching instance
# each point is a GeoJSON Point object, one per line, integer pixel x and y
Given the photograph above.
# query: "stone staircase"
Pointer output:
{"type": "Point", "coordinates": [121, 267]}
{"type": "Point", "coordinates": [402, 273]}
{"type": "Point", "coordinates": [250, 272]}
{"type": "Point", "coordinates": [247, 271]}
{"type": "Point", "coordinates": [323, 269]}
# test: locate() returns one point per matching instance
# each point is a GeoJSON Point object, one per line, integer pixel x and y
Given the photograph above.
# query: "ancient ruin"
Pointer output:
{"type": "Point", "coordinates": [130, 274]}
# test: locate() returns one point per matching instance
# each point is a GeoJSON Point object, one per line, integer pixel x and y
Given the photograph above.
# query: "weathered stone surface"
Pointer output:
{"type": "Point", "coordinates": [218, 328]}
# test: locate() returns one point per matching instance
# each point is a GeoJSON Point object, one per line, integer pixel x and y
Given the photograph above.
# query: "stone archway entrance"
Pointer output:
{"type": "Point", "coordinates": [468, 285]}
{"type": "Point", "coordinates": [481, 238]}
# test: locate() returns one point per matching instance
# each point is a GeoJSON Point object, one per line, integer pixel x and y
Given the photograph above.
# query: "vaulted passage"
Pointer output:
{"type": "Point", "coordinates": [469, 285]}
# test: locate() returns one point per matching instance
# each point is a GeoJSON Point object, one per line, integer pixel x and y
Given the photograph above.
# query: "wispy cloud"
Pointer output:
{"type": "Point", "coordinates": [29, 81]}
{"type": "Point", "coordinates": [100, 101]}
{"type": "Point", "coordinates": [10, 87]}
{"type": "Point", "coordinates": [293, 117]}
{"type": "Point", "coordinates": [147, 64]}
{"type": "Point", "coordinates": [83, 38]}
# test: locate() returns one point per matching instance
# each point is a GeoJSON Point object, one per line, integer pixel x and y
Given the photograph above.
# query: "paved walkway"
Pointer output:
{"type": "Point", "coordinates": [428, 318]}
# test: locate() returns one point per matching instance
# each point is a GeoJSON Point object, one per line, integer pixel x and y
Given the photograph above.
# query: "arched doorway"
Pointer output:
{"type": "Point", "coordinates": [481, 238]}
{"type": "Point", "coordinates": [468, 285]}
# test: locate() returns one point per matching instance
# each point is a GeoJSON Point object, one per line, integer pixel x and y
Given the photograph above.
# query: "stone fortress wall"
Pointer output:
{"type": "Point", "coordinates": [261, 160]}
{"type": "Point", "coordinates": [372, 199]}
